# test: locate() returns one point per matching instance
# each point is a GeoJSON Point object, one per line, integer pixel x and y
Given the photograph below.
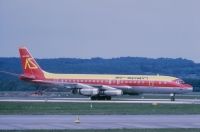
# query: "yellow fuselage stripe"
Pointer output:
{"type": "Point", "coordinates": [108, 77]}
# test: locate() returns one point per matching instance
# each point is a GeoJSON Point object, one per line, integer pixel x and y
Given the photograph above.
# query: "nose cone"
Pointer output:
{"type": "Point", "coordinates": [188, 88]}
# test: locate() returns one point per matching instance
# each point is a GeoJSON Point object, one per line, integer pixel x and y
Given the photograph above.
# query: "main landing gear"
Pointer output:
{"type": "Point", "coordinates": [100, 98]}
{"type": "Point", "coordinates": [172, 96]}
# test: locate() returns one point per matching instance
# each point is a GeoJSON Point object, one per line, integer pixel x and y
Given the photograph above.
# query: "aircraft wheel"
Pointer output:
{"type": "Point", "coordinates": [108, 97]}
{"type": "Point", "coordinates": [100, 97]}
{"type": "Point", "coordinates": [93, 98]}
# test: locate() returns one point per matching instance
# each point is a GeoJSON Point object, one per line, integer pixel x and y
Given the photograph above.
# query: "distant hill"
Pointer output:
{"type": "Point", "coordinates": [179, 67]}
{"type": "Point", "coordinates": [124, 65]}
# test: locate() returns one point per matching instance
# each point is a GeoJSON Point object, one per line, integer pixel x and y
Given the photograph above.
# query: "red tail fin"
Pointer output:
{"type": "Point", "coordinates": [30, 67]}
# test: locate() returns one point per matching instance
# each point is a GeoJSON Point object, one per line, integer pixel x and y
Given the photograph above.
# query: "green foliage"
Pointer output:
{"type": "Point", "coordinates": [98, 108]}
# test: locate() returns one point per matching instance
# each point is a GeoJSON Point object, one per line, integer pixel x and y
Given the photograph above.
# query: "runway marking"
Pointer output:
{"type": "Point", "coordinates": [85, 100]}
{"type": "Point", "coordinates": [21, 122]}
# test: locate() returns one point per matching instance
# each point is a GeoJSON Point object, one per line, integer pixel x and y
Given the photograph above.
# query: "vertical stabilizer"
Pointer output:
{"type": "Point", "coordinates": [30, 67]}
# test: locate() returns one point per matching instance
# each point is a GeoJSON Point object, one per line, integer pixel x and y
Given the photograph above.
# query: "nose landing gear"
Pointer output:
{"type": "Point", "coordinates": [172, 96]}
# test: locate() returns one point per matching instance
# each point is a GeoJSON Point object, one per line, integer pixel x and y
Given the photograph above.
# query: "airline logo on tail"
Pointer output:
{"type": "Point", "coordinates": [31, 70]}
{"type": "Point", "coordinates": [30, 64]}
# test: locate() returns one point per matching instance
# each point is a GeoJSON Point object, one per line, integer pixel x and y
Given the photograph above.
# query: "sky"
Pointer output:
{"type": "Point", "coordinates": [101, 28]}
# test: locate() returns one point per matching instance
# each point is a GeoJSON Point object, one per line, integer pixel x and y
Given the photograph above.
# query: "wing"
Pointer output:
{"type": "Point", "coordinates": [83, 89]}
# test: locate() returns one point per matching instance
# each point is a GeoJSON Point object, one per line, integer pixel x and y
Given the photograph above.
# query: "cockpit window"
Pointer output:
{"type": "Point", "coordinates": [179, 81]}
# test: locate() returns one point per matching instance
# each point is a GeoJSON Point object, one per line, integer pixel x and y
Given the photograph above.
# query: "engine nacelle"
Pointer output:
{"type": "Point", "coordinates": [113, 92]}
{"type": "Point", "coordinates": [89, 91]}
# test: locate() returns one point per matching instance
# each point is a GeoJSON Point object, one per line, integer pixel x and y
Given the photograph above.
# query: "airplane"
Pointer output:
{"type": "Point", "coordinates": [101, 86]}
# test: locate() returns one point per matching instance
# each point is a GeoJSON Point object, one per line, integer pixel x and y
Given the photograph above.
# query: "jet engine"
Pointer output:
{"type": "Point", "coordinates": [113, 92]}
{"type": "Point", "coordinates": [89, 91]}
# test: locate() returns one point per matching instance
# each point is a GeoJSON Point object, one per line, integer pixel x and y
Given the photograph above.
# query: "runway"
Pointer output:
{"type": "Point", "coordinates": [21, 122]}
{"type": "Point", "coordinates": [87, 100]}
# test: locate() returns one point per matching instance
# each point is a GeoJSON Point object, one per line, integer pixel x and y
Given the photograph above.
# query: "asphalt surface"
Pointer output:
{"type": "Point", "coordinates": [21, 122]}
{"type": "Point", "coordinates": [87, 100]}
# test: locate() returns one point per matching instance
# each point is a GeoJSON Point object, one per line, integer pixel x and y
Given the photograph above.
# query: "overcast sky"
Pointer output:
{"type": "Point", "coordinates": [101, 28]}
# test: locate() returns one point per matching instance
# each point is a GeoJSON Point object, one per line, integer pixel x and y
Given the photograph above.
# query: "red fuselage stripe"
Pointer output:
{"type": "Point", "coordinates": [119, 82]}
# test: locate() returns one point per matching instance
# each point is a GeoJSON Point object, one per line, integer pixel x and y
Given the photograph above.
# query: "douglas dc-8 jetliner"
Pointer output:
{"type": "Point", "coordinates": [100, 87]}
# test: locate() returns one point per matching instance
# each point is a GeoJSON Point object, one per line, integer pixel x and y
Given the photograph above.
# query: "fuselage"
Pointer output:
{"type": "Point", "coordinates": [129, 84]}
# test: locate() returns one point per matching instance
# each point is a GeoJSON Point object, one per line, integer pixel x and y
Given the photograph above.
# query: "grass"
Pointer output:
{"type": "Point", "coordinates": [40, 108]}
{"type": "Point", "coordinates": [109, 130]}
